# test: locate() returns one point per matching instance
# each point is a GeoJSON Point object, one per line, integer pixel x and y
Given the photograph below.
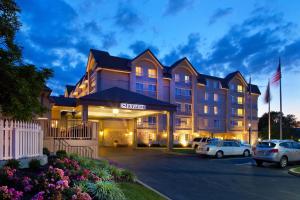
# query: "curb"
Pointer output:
{"type": "Point", "coordinates": [151, 188]}
{"type": "Point", "coordinates": [293, 173]}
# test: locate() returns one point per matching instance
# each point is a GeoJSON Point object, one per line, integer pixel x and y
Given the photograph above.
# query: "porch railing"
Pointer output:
{"type": "Point", "coordinates": [84, 151]}
{"type": "Point", "coordinates": [20, 139]}
{"type": "Point", "coordinates": [69, 129]}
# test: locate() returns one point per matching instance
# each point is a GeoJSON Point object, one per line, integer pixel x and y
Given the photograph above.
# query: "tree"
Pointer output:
{"type": "Point", "coordinates": [20, 84]}
{"type": "Point", "coordinates": [289, 123]}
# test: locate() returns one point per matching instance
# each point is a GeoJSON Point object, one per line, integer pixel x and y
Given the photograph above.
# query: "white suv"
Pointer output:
{"type": "Point", "coordinates": [199, 141]}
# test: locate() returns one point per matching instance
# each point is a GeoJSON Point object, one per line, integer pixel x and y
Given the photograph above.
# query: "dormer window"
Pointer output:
{"type": "Point", "coordinates": [187, 79]}
{"type": "Point", "coordinates": [216, 84]}
{"type": "Point", "coordinates": [240, 88]}
{"type": "Point", "coordinates": [177, 78]}
{"type": "Point", "coordinates": [138, 71]}
{"type": "Point", "coordinates": [151, 73]}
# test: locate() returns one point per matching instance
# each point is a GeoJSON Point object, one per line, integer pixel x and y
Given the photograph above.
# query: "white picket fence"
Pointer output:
{"type": "Point", "coordinates": [20, 139]}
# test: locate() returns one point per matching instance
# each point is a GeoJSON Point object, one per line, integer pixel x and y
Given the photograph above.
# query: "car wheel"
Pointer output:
{"type": "Point", "coordinates": [283, 162]}
{"type": "Point", "coordinates": [219, 154]}
{"type": "Point", "coordinates": [259, 163]}
{"type": "Point", "coordinates": [246, 153]}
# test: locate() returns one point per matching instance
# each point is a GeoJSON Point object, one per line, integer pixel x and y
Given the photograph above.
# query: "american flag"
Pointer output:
{"type": "Point", "coordinates": [277, 76]}
{"type": "Point", "coordinates": [268, 94]}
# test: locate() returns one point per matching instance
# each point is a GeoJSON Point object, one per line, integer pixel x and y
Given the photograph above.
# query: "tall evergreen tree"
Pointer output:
{"type": "Point", "coordinates": [20, 84]}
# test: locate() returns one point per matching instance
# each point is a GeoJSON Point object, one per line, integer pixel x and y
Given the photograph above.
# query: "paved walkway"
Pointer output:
{"type": "Point", "coordinates": [193, 177]}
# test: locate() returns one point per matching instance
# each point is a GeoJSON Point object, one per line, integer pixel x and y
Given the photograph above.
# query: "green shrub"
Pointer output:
{"type": "Point", "coordinates": [46, 151]}
{"type": "Point", "coordinates": [105, 190]}
{"type": "Point", "coordinates": [13, 163]}
{"type": "Point", "coordinates": [61, 153]}
{"type": "Point", "coordinates": [34, 164]}
{"type": "Point", "coordinates": [103, 164]}
{"type": "Point", "coordinates": [127, 176]}
{"type": "Point", "coordinates": [115, 172]}
{"type": "Point", "coordinates": [103, 173]}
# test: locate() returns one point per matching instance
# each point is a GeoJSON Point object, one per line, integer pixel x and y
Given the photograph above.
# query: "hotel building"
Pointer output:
{"type": "Point", "coordinates": [140, 102]}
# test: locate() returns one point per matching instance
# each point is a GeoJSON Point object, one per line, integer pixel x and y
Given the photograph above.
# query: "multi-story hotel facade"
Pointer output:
{"type": "Point", "coordinates": [140, 101]}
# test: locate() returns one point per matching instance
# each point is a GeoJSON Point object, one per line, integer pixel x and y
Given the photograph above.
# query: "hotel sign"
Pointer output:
{"type": "Point", "coordinates": [132, 106]}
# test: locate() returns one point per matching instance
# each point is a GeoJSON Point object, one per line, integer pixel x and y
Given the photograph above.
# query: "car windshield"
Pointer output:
{"type": "Point", "coordinates": [213, 142]}
{"type": "Point", "coordinates": [266, 144]}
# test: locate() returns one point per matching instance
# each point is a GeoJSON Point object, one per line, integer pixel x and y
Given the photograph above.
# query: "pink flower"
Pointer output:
{"type": "Point", "coordinates": [39, 196]}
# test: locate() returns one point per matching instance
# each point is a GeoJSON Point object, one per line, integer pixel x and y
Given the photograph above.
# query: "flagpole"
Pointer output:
{"type": "Point", "coordinates": [280, 106]}
{"type": "Point", "coordinates": [269, 127]}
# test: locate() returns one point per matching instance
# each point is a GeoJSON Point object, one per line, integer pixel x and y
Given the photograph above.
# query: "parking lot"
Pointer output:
{"type": "Point", "coordinates": [195, 177]}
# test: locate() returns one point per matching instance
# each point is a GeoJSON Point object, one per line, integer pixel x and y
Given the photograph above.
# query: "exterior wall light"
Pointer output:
{"type": "Point", "coordinates": [115, 111]}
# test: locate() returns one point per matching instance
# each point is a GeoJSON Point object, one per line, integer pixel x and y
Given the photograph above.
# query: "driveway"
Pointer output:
{"type": "Point", "coordinates": [192, 177]}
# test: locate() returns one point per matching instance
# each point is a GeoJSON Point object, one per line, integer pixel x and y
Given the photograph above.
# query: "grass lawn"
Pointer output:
{"type": "Point", "coordinates": [297, 169]}
{"type": "Point", "coordinates": [135, 191]}
{"type": "Point", "coordinates": [184, 150]}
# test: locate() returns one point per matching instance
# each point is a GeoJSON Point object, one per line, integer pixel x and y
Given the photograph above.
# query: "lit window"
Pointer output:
{"type": "Point", "coordinates": [240, 100]}
{"type": "Point", "coordinates": [215, 110]}
{"type": "Point", "coordinates": [177, 78]}
{"type": "Point", "coordinates": [187, 79]}
{"type": "Point", "coordinates": [216, 97]}
{"type": "Point", "coordinates": [139, 121]}
{"type": "Point", "coordinates": [151, 73]}
{"type": "Point", "coordinates": [138, 71]}
{"type": "Point", "coordinates": [240, 123]}
{"type": "Point", "coordinates": [240, 112]}
{"type": "Point", "coordinates": [206, 96]}
{"type": "Point", "coordinates": [240, 88]}
{"type": "Point", "coordinates": [205, 109]}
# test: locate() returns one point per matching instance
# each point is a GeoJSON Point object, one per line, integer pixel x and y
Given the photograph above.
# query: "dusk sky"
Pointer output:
{"type": "Point", "coordinates": [218, 37]}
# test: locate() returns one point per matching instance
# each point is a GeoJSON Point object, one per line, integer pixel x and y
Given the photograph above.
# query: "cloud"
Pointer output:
{"type": "Point", "coordinates": [127, 18]}
{"type": "Point", "coordinates": [176, 6]}
{"type": "Point", "coordinates": [140, 46]}
{"type": "Point", "coordinates": [253, 47]}
{"type": "Point", "coordinates": [220, 13]}
{"type": "Point", "coordinates": [190, 49]}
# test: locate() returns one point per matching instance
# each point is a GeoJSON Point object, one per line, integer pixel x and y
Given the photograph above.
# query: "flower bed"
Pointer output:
{"type": "Point", "coordinates": [65, 177]}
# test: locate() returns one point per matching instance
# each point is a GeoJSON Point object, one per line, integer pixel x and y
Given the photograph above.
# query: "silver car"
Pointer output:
{"type": "Point", "coordinates": [276, 151]}
{"type": "Point", "coordinates": [219, 148]}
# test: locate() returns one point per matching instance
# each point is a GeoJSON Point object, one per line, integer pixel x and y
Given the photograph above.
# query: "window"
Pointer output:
{"type": "Point", "coordinates": [187, 79]}
{"type": "Point", "coordinates": [139, 121]}
{"type": "Point", "coordinates": [240, 88]}
{"type": "Point", "coordinates": [240, 112]}
{"type": "Point", "coordinates": [240, 123]}
{"type": "Point", "coordinates": [216, 123]}
{"type": "Point", "coordinates": [177, 78]}
{"type": "Point", "coordinates": [152, 88]}
{"type": "Point", "coordinates": [232, 87]}
{"type": "Point", "coordinates": [240, 100]}
{"type": "Point", "coordinates": [233, 99]}
{"type": "Point", "coordinates": [188, 108]}
{"type": "Point", "coordinates": [206, 96]}
{"type": "Point", "coordinates": [139, 86]}
{"type": "Point", "coordinates": [233, 111]}
{"type": "Point", "coordinates": [205, 122]}
{"type": "Point", "coordinates": [216, 97]}
{"type": "Point", "coordinates": [205, 109]}
{"type": "Point", "coordinates": [138, 71]}
{"type": "Point", "coordinates": [177, 92]}
{"type": "Point", "coordinates": [187, 93]}
{"type": "Point", "coordinates": [179, 107]}
{"type": "Point", "coordinates": [208, 83]}
{"type": "Point", "coordinates": [151, 73]}
{"type": "Point", "coordinates": [151, 120]}
{"type": "Point", "coordinates": [215, 110]}
{"type": "Point", "coordinates": [216, 84]}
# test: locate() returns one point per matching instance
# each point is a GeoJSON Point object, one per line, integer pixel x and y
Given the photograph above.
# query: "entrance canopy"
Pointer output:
{"type": "Point", "coordinates": [125, 99]}
{"type": "Point", "coordinates": [113, 103]}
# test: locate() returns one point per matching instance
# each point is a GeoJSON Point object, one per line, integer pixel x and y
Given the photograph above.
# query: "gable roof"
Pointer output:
{"type": "Point", "coordinates": [152, 54]}
{"type": "Point", "coordinates": [114, 96]}
{"type": "Point", "coordinates": [105, 60]}
{"type": "Point", "coordinates": [181, 60]}
{"type": "Point", "coordinates": [63, 101]}
{"type": "Point", "coordinates": [70, 88]}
